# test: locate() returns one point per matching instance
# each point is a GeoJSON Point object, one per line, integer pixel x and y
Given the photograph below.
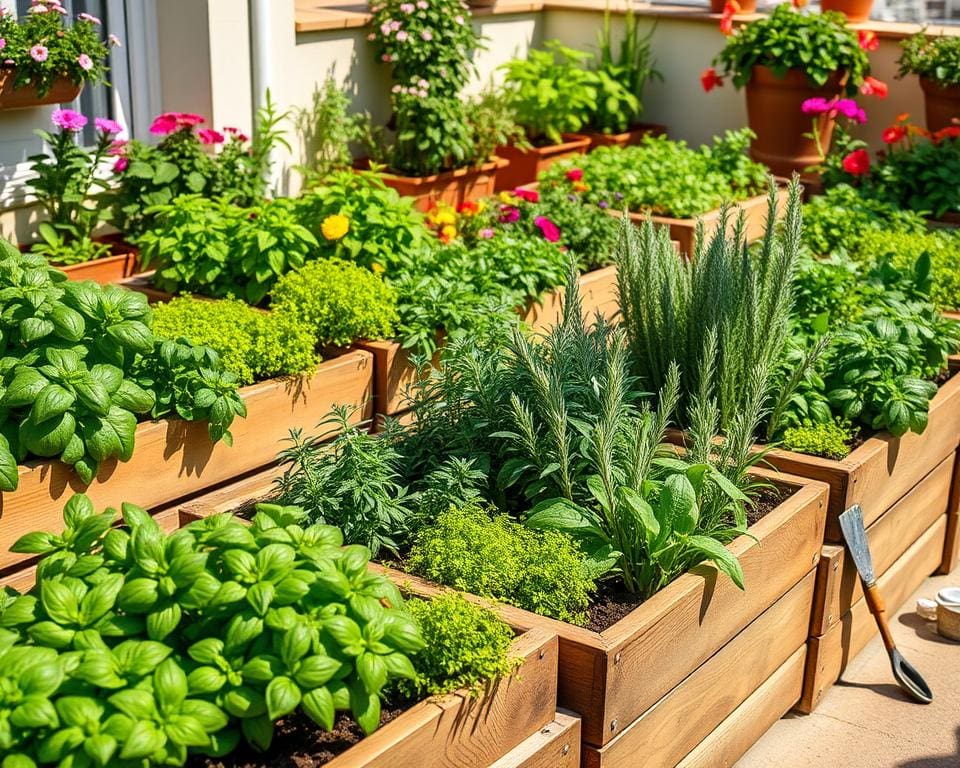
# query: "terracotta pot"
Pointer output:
{"type": "Point", "coordinates": [855, 10]}
{"type": "Point", "coordinates": [526, 166]}
{"type": "Point", "coordinates": [452, 187]}
{"type": "Point", "coordinates": [942, 103]}
{"type": "Point", "coordinates": [628, 138]}
{"type": "Point", "coordinates": [773, 112]}
{"type": "Point", "coordinates": [123, 261]}
{"type": "Point", "coordinates": [746, 6]}
{"type": "Point", "coordinates": [62, 91]}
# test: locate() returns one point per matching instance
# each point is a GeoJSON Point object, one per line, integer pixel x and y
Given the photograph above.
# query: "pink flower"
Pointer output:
{"type": "Point", "coordinates": [458, 19]}
{"type": "Point", "coordinates": [394, 25]}
{"type": "Point", "coordinates": [118, 147]}
{"type": "Point", "coordinates": [574, 174]}
{"type": "Point", "coordinates": [38, 9]}
{"type": "Point", "coordinates": [873, 87]}
{"type": "Point", "coordinates": [91, 19]}
{"type": "Point", "coordinates": [209, 136]}
{"type": "Point", "coordinates": [120, 165]}
{"type": "Point", "coordinates": [188, 119]}
{"type": "Point", "coordinates": [237, 134]}
{"type": "Point", "coordinates": [68, 120]}
{"type": "Point", "coordinates": [85, 62]}
{"type": "Point", "coordinates": [3, 43]}
{"type": "Point", "coordinates": [401, 36]}
{"type": "Point", "coordinates": [427, 35]}
{"type": "Point", "coordinates": [851, 110]}
{"type": "Point", "coordinates": [816, 106]}
{"type": "Point", "coordinates": [386, 57]}
{"type": "Point", "coordinates": [39, 52]}
{"type": "Point", "coordinates": [423, 5]}
{"type": "Point", "coordinates": [550, 231]}
{"type": "Point", "coordinates": [115, 41]}
{"type": "Point", "coordinates": [385, 29]}
{"type": "Point", "coordinates": [106, 125]}
{"type": "Point", "coordinates": [509, 214]}
{"type": "Point", "coordinates": [421, 83]}
{"type": "Point", "coordinates": [486, 233]}
{"type": "Point", "coordinates": [371, 37]}
{"type": "Point", "coordinates": [408, 7]}
{"type": "Point", "coordinates": [164, 124]}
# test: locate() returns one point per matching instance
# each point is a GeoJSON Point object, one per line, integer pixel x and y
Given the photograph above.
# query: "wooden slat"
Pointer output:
{"type": "Point", "coordinates": [556, 745]}
{"type": "Point", "coordinates": [598, 294]}
{"type": "Point", "coordinates": [882, 470]}
{"type": "Point", "coordinates": [951, 546]}
{"type": "Point", "coordinates": [828, 575]}
{"type": "Point", "coordinates": [173, 459]}
{"type": "Point", "coordinates": [462, 731]}
{"type": "Point", "coordinates": [829, 654]}
{"type": "Point", "coordinates": [730, 740]}
{"type": "Point", "coordinates": [669, 730]}
{"type": "Point", "coordinates": [889, 537]}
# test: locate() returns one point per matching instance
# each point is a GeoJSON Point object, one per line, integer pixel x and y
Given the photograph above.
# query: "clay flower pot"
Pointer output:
{"type": "Point", "coordinates": [63, 90]}
{"type": "Point", "coordinates": [452, 187]}
{"type": "Point", "coordinates": [774, 113]}
{"type": "Point", "coordinates": [855, 10]}
{"type": "Point", "coordinates": [746, 6]}
{"type": "Point", "coordinates": [942, 103]}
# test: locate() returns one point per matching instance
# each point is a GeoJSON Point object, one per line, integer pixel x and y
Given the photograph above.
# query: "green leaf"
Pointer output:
{"type": "Point", "coordinates": [721, 556]}
{"type": "Point", "coordinates": [283, 697]}
{"type": "Point", "coordinates": [318, 706]}
{"type": "Point", "coordinates": [59, 602]}
{"type": "Point", "coordinates": [143, 740]}
{"type": "Point", "coordinates": [564, 515]}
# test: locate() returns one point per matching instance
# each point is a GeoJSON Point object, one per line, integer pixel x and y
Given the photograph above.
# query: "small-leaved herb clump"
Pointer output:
{"type": "Point", "coordinates": [501, 559]}
{"type": "Point", "coordinates": [254, 345]}
{"type": "Point", "coordinates": [350, 481]}
{"type": "Point", "coordinates": [339, 302]}
{"type": "Point", "coordinates": [936, 58]}
{"type": "Point", "coordinates": [79, 366]}
{"type": "Point", "coordinates": [662, 176]}
{"type": "Point", "coordinates": [465, 646]}
{"type": "Point", "coordinates": [829, 439]}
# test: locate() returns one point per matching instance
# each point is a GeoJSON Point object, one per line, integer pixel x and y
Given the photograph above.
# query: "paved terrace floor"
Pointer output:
{"type": "Point", "coordinates": [864, 721]}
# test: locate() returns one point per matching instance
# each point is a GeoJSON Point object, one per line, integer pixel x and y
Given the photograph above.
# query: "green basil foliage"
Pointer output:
{"type": "Point", "coordinates": [79, 366]}
{"type": "Point", "coordinates": [139, 648]}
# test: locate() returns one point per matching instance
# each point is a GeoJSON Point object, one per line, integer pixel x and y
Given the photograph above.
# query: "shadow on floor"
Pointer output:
{"type": "Point", "coordinates": [936, 761]}
{"type": "Point", "coordinates": [925, 629]}
{"type": "Point", "coordinates": [890, 690]}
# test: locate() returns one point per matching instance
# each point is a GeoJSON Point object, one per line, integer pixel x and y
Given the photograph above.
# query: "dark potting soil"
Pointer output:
{"type": "Point", "coordinates": [612, 604]}
{"type": "Point", "coordinates": [298, 742]}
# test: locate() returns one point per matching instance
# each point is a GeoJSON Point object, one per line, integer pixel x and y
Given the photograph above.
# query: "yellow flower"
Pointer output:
{"type": "Point", "coordinates": [448, 233]}
{"type": "Point", "coordinates": [378, 269]}
{"type": "Point", "coordinates": [334, 227]}
{"type": "Point", "coordinates": [445, 218]}
{"type": "Point", "coordinates": [508, 197]}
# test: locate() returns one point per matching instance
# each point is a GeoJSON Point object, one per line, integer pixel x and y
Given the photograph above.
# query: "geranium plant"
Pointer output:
{"type": "Point", "coordinates": [818, 44]}
{"type": "Point", "coordinates": [41, 47]}
{"type": "Point", "coordinates": [69, 188]}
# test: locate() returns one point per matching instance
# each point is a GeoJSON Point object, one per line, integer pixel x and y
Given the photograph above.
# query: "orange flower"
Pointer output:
{"type": "Point", "coordinates": [468, 208]}
{"type": "Point", "coordinates": [868, 40]}
{"type": "Point", "coordinates": [799, 3]}
{"type": "Point", "coordinates": [902, 117]}
{"type": "Point", "coordinates": [709, 79]}
{"type": "Point", "coordinates": [730, 9]}
{"type": "Point", "coordinates": [894, 133]}
{"type": "Point", "coordinates": [873, 87]}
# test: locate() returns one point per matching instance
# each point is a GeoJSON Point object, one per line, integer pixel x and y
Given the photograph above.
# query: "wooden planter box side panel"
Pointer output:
{"type": "Point", "coordinates": [829, 654]}
{"type": "Point", "coordinates": [173, 459]}
{"type": "Point", "coordinates": [667, 732]}
{"type": "Point", "coordinates": [890, 536]}
{"type": "Point", "coordinates": [951, 547]}
{"type": "Point", "coordinates": [730, 740]}
{"type": "Point", "coordinates": [884, 468]}
{"type": "Point", "coordinates": [685, 624]}
{"type": "Point", "coordinates": [461, 731]}
{"type": "Point", "coordinates": [556, 745]}
{"type": "Point", "coordinates": [598, 294]}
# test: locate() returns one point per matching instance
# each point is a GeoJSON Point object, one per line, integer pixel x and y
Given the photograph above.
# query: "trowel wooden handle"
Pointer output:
{"type": "Point", "coordinates": [879, 610]}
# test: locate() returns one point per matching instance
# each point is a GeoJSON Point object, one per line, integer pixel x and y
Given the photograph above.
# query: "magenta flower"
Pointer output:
{"type": "Point", "coordinates": [107, 126]}
{"type": "Point", "coordinates": [549, 230]}
{"type": "Point", "coordinates": [851, 110]}
{"type": "Point", "coordinates": [209, 136]}
{"type": "Point", "coordinates": [817, 106]}
{"type": "Point", "coordinates": [120, 165]}
{"type": "Point", "coordinates": [91, 19]}
{"type": "Point", "coordinates": [164, 124]}
{"type": "Point", "coordinates": [85, 62]}
{"type": "Point", "coordinates": [39, 52]}
{"type": "Point", "coordinates": [509, 214]}
{"type": "Point", "coordinates": [236, 133]}
{"type": "Point", "coordinates": [68, 120]}
{"type": "Point", "coordinates": [3, 43]}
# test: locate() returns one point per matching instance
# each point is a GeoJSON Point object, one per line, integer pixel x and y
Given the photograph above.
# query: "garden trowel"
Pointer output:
{"type": "Point", "coordinates": [851, 523]}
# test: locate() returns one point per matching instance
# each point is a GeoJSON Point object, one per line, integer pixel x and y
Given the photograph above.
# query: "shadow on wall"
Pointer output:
{"type": "Point", "coordinates": [17, 223]}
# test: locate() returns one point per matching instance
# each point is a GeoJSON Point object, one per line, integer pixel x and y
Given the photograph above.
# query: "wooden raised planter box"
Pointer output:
{"type": "Point", "coordinates": [451, 187]}
{"type": "Point", "coordinates": [527, 165]}
{"type": "Point", "coordinates": [394, 372]}
{"type": "Point", "coordinates": [754, 210]}
{"type": "Point", "coordinates": [699, 644]}
{"type": "Point", "coordinates": [173, 459]}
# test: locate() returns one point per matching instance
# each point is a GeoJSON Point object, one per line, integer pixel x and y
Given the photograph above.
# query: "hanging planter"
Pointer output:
{"type": "Point", "coordinates": [62, 91]}
{"type": "Point", "coordinates": [941, 104]}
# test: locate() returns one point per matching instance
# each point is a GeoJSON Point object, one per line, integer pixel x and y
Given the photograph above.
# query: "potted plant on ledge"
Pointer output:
{"type": "Point", "coordinates": [44, 61]}
{"type": "Point", "coordinates": [440, 149]}
{"type": "Point", "coordinates": [784, 60]}
{"type": "Point", "coordinates": [936, 61]}
{"type": "Point", "coordinates": [551, 95]}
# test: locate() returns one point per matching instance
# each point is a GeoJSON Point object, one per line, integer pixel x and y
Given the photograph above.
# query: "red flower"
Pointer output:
{"type": "Point", "coordinates": [950, 132]}
{"type": "Point", "coordinates": [530, 195]}
{"type": "Point", "coordinates": [799, 3]}
{"type": "Point", "coordinates": [730, 9]}
{"type": "Point", "coordinates": [873, 87]}
{"type": "Point", "coordinates": [893, 134]}
{"type": "Point", "coordinates": [709, 79]}
{"type": "Point", "coordinates": [574, 174]}
{"type": "Point", "coordinates": [857, 163]}
{"type": "Point", "coordinates": [468, 208]}
{"type": "Point", "coordinates": [868, 40]}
